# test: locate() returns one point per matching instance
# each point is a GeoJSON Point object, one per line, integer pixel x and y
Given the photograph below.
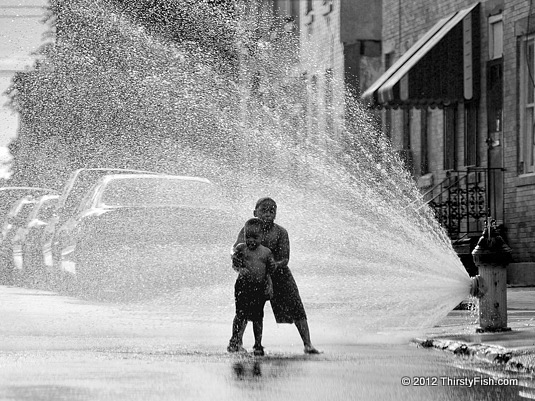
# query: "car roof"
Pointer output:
{"type": "Point", "coordinates": [47, 197]}
{"type": "Point", "coordinates": [26, 188]}
{"type": "Point", "coordinates": [77, 171]}
{"type": "Point", "coordinates": [113, 177]}
{"type": "Point", "coordinates": [41, 201]}
{"type": "Point", "coordinates": [73, 181]}
{"type": "Point", "coordinates": [15, 208]}
{"type": "Point", "coordinates": [27, 199]}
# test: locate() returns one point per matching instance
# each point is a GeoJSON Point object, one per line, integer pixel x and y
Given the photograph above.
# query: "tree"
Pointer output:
{"type": "Point", "coordinates": [120, 78]}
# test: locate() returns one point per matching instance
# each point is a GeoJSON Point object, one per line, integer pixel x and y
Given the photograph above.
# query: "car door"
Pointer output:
{"type": "Point", "coordinates": [38, 220]}
{"type": "Point", "coordinates": [67, 233]}
{"type": "Point", "coordinates": [19, 238]}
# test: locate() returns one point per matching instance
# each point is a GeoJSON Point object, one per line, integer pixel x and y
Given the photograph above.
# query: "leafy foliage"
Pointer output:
{"type": "Point", "coordinates": [117, 84]}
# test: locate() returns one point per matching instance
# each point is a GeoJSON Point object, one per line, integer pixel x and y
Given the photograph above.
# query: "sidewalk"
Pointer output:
{"type": "Point", "coordinates": [514, 349]}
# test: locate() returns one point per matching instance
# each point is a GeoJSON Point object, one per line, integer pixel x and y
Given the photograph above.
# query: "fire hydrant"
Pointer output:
{"type": "Point", "coordinates": [491, 256]}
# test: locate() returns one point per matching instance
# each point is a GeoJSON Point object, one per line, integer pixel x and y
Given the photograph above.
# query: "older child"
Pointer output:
{"type": "Point", "coordinates": [253, 262]}
{"type": "Point", "coordinates": [286, 301]}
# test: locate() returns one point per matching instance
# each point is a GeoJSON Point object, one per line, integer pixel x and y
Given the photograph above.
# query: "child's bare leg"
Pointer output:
{"type": "Point", "coordinates": [258, 327]}
{"type": "Point", "coordinates": [238, 326]}
{"type": "Point", "coordinates": [304, 332]}
{"type": "Point", "coordinates": [239, 337]}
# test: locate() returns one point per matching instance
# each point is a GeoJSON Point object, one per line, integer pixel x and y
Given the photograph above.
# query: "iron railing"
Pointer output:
{"type": "Point", "coordinates": [464, 199]}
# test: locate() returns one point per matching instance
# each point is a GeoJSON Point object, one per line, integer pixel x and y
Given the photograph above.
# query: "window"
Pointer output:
{"type": "Point", "coordinates": [327, 5]}
{"type": "Point", "coordinates": [305, 99]}
{"type": "Point", "coordinates": [47, 209]}
{"type": "Point", "coordinates": [329, 119]}
{"type": "Point", "coordinates": [313, 107]}
{"type": "Point", "coordinates": [527, 105]}
{"type": "Point", "coordinates": [470, 134]}
{"type": "Point", "coordinates": [406, 152]}
{"type": "Point", "coordinates": [406, 129]}
{"type": "Point", "coordinates": [309, 6]}
{"type": "Point", "coordinates": [494, 95]}
{"type": "Point", "coordinates": [450, 145]}
{"type": "Point", "coordinates": [388, 123]}
{"type": "Point", "coordinates": [388, 112]}
{"type": "Point", "coordinates": [495, 37]}
{"type": "Point", "coordinates": [424, 139]}
{"type": "Point", "coordinates": [86, 201]}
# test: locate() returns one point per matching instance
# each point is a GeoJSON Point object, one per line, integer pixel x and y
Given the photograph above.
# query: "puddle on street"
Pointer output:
{"type": "Point", "coordinates": [360, 372]}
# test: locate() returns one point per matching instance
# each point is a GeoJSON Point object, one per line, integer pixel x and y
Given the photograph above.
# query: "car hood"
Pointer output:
{"type": "Point", "coordinates": [161, 224]}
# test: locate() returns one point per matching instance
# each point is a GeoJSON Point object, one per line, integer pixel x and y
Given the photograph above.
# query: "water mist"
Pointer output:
{"type": "Point", "coordinates": [366, 251]}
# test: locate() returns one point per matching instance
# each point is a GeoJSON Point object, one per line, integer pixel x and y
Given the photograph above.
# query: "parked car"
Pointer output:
{"type": "Point", "coordinates": [142, 231]}
{"type": "Point", "coordinates": [9, 195]}
{"type": "Point", "coordinates": [26, 244]}
{"type": "Point", "coordinates": [74, 189]}
{"type": "Point", "coordinates": [15, 218]}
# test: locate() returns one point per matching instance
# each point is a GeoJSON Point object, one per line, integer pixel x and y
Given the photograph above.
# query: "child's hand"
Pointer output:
{"type": "Point", "coordinates": [237, 262]}
{"type": "Point", "coordinates": [237, 257]}
{"type": "Point", "coordinates": [242, 246]}
{"type": "Point", "coordinates": [268, 291]}
{"type": "Point", "coordinates": [281, 264]}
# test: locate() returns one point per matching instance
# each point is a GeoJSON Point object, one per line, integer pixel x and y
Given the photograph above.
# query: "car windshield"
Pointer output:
{"type": "Point", "coordinates": [161, 192]}
{"type": "Point", "coordinates": [47, 208]}
{"type": "Point", "coordinates": [24, 211]}
{"type": "Point", "coordinates": [9, 197]}
{"type": "Point", "coordinates": [84, 180]}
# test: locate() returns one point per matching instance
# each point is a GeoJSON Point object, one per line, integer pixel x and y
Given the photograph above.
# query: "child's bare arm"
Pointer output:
{"type": "Point", "coordinates": [283, 248]}
{"type": "Point", "coordinates": [237, 257]}
{"type": "Point", "coordinates": [271, 265]}
{"type": "Point", "coordinates": [243, 271]}
{"type": "Point", "coordinates": [281, 263]}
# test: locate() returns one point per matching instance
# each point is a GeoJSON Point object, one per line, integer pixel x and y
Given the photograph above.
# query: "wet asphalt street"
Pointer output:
{"type": "Point", "coordinates": [54, 347]}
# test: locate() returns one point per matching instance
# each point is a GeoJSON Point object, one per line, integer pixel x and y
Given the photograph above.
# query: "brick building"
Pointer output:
{"type": "Point", "coordinates": [457, 99]}
{"type": "Point", "coordinates": [340, 47]}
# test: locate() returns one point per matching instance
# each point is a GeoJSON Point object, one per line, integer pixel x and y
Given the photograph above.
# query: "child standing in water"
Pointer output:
{"type": "Point", "coordinates": [286, 301]}
{"type": "Point", "coordinates": [253, 262]}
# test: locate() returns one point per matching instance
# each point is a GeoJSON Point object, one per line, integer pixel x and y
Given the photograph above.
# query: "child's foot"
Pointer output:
{"type": "Point", "coordinates": [258, 350]}
{"type": "Point", "coordinates": [232, 348]}
{"type": "Point", "coordinates": [309, 349]}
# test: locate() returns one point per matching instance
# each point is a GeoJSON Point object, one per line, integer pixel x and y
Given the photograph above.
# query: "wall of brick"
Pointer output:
{"type": "Point", "coordinates": [519, 189]}
{"type": "Point", "coordinates": [323, 49]}
{"type": "Point", "coordinates": [403, 23]}
{"type": "Point", "coordinates": [401, 28]}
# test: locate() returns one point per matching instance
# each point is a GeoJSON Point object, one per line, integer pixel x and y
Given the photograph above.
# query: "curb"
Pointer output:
{"type": "Point", "coordinates": [511, 360]}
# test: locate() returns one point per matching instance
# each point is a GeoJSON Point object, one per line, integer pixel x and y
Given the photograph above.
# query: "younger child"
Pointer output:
{"type": "Point", "coordinates": [253, 262]}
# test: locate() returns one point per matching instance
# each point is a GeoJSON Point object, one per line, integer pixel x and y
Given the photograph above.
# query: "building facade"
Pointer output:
{"type": "Point", "coordinates": [457, 99]}
{"type": "Point", "coordinates": [340, 50]}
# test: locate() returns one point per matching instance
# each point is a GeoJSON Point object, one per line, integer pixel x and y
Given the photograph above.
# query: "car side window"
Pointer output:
{"type": "Point", "coordinates": [85, 202]}
{"type": "Point", "coordinates": [88, 199]}
{"type": "Point", "coordinates": [15, 209]}
{"type": "Point", "coordinates": [47, 209]}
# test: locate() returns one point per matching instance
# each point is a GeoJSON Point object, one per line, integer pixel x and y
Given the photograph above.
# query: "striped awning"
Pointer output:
{"type": "Point", "coordinates": [441, 68]}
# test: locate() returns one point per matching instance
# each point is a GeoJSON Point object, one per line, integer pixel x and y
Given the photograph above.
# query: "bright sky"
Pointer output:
{"type": "Point", "coordinates": [21, 33]}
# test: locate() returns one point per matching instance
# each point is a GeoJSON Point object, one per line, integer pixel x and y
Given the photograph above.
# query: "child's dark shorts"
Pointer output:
{"type": "Point", "coordinates": [250, 299]}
